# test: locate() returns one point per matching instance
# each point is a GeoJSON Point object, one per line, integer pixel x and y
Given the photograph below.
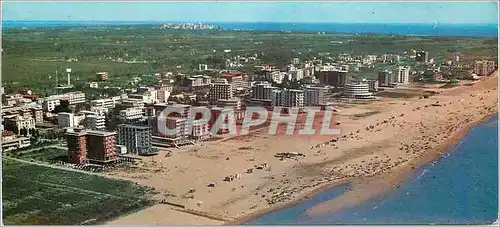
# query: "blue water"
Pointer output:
{"type": "Point", "coordinates": [465, 30]}
{"type": "Point", "coordinates": [460, 188]}
{"type": "Point", "coordinates": [395, 29]}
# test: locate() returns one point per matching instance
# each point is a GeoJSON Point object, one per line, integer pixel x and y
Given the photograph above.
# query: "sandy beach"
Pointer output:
{"type": "Point", "coordinates": [381, 143]}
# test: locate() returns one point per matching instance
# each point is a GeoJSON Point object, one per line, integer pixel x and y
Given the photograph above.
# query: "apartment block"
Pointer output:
{"type": "Point", "coordinates": [11, 142]}
{"type": "Point", "coordinates": [130, 115]}
{"type": "Point", "coordinates": [77, 146]}
{"type": "Point", "coordinates": [95, 122]}
{"type": "Point", "coordinates": [386, 78]}
{"type": "Point", "coordinates": [290, 98]}
{"type": "Point", "coordinates": [422, 56]}
{"type": "Point", "coordinates": [137, 139]}
{"type": "Point", "coordinates": [315, 96]}
{"type": "Point", "coordinates": [296, 74]}
{"type": "Point", "coordinates": [202, 67]}
{"type": "Point", "coordinates": [333, 75]}
{"type": "Point", "coordinates": [105, 103]}
{"type": "Point", "coordinates": [390, 58]}
{"type": "Point", "coordinates": [357, 91]}
{"type": "Point", "coordinates": [163, 94]}
{"type": "Point", "coordinates": [484, 67]}
{"type": "Point", "coordinates": [178, 125]}
{"type": "Point", "coordinates": [146, 97]}
{"type": "Point", "coordinates": [229, 103]}
{"type": "Point", "coordinates": [34, 112]}
{"type": "Point", "coordinates": [220, 89]}
{"type": "Point", "coordinates": [66, 120]}
{"type": "Point", "coordinates": [15, 123]}
{"type": "Point", "coordinates": [237, 81]}
{"type": "Point", "coordinates": [72, 97]}
{"type": "Point", "coordinates": [49, 105]}
{"type": "Point", "coordinates": [12, 99]}
{"type": "Point", "coordinates": [196, 81]}
{"type": "Point", "coordinates": [372, 85]}
{"type": "Point", "coordinates": [262, 91]}
{"type": "Point", "coordinates": [200, 129]}
{"type": "Point", "coordinates": [403, 75]}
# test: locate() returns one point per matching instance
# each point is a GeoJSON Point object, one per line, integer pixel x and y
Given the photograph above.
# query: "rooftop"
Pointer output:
{"type": "Point", "coordinates": [82, 132]}
{"type": "Point", "coordinates": [233, 74]}
{"type": "Point", "coordinates": [133, 126]}
{"type": "Point", "coordinates": [181, 105]}
{"type": "Point", "coordinates": [100, 133]}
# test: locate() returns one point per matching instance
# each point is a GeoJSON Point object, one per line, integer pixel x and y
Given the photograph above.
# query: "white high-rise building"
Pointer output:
{"type": "Point", "coordinates": [72, 97]}
{"type": "Point", "coordinates": [149, 96]}
{"type": "Point", "coordinates": [49, 105]}
{"type": "Point", "coordinates": [16, 123]}
{"type": "Point", "coordinates": [220, 89]}
{"type": "Point", "coordinates": [456, 59]}
{"type": "Point", "coordinates": [131, 114]}
{"type": "Point", "coordinates": [95, 122]}
{"type": "Point", "coordinates": [202, 67]}
{"type": "Point", "coordinates": [105, 103]}
{"type": "Point", "coordinates": [403, 75]}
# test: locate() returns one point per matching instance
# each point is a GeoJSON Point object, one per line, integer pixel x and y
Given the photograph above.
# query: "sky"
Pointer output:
{"type": "Point", "coordinates": [327, 12]}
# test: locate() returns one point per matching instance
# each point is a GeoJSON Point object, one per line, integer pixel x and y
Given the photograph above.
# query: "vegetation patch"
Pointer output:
{"type": "Point", "coordinates": [37, 195]}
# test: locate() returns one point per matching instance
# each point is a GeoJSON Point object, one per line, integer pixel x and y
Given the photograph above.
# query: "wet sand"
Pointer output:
{"type": "Point", "coordinates": [381, 143]}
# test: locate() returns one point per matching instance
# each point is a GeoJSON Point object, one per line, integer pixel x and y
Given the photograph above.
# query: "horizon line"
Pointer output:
{"type": "Point", "coordinates": [282, 22]}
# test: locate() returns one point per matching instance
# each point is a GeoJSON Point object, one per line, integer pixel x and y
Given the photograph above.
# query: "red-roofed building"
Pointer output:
{"type": "Point", "coordinates": [32, 97]}
{"type": "Point", "coordinates": [237, 80]}
{"type": "Point", "coordinates": [25, 91]}
{"type": "Point", "coordinates": [437, 76]}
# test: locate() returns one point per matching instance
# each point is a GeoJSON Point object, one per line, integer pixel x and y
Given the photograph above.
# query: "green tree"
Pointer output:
{"type": "Point", "coordinates": [62, 107]}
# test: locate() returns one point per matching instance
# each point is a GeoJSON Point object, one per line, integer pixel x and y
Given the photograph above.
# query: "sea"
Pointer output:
{"type": "Point", "coordinates": [407, 29]}
{"type": "Point", "coordinates": [459, 188]}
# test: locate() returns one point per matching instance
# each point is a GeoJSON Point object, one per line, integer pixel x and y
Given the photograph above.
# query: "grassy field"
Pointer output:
{"type": "Point", "coordinates": [36, 195]}
{"type": "Point", "coordinates": [32, 55]}
{"type": "Point", "coordinates": [42, 155]}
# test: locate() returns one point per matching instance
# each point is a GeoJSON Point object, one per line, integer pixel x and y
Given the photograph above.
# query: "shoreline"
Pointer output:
{"type": "Point", "coordinates": [403, 173]}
